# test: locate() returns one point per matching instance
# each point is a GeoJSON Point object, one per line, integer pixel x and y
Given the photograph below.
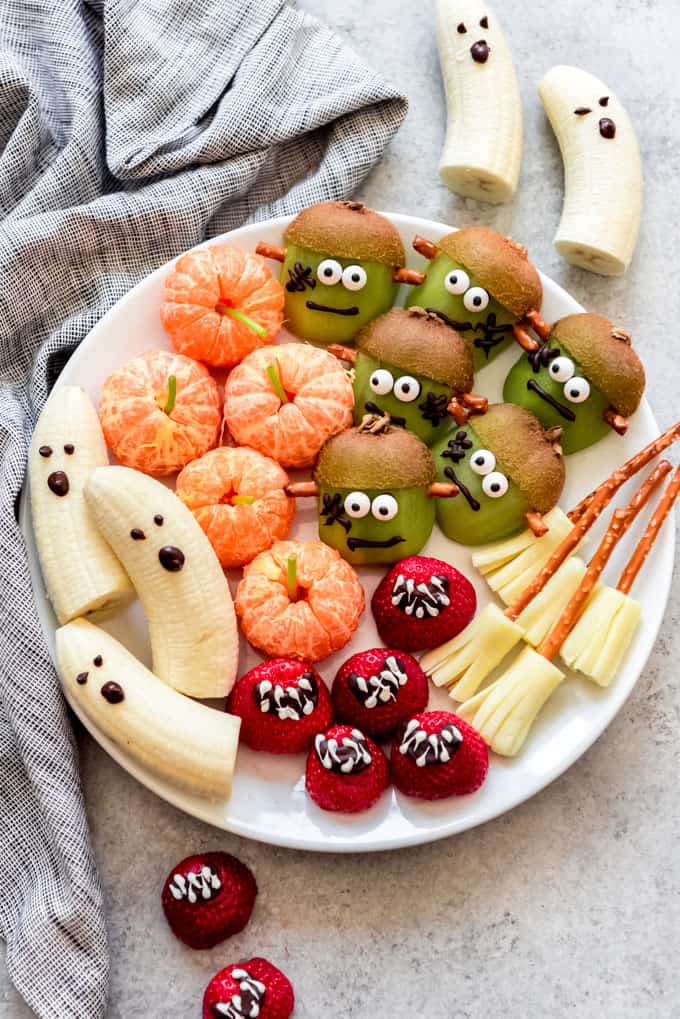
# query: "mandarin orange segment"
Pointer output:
{"type": "Point", "coordinates": [320, 402]}
{"type": "Point", "coordinates": [137, 428]}
{"type": "Point", "coordinates": [322, 619]}
{"type": "Point", "coordinates": [237, 496]}
{"type": "Point", "coordinates": [202, 291]}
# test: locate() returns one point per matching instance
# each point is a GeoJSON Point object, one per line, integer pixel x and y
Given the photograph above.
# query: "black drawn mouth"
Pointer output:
{"type": "Point", "coordinates": [354, 543]}
{"type": "Point", "coordinates": [373, 408]}
{"type": "Point", "coordinates": [565, 412]}
{"type": "Point", "coordinates": [313, 306]}
{"type": "Point", "coordinates": [464, 490]}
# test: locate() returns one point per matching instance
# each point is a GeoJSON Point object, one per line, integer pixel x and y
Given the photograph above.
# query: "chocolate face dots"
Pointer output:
{"type": "Point", "coordinates": [606, 125]}
{"type": "Point", "coordinates": [171, 558]}
{"type": "Point", "coordinates": [113, 693]}
{"type": "Point", "coordinates": [45, 451]}
{"type": "Point", "coordinates": [57, 482]}
{"type": "Point", "coordinates": [480, 50]}
{"type": "Point", "coordinates": [137, 535]}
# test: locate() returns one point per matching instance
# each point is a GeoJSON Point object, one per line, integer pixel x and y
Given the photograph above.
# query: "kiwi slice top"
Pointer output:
{"type": "Point", "coordinates": [527, 453]}
{"type": "Point", "coordinates": [419, 341]}
{"type": "Point", "coordinates": [499, 264]}
{"type": "Point", "coordinates": [606, 357]}
{"type": "Point", "coordinates": [346, 230]}
{"type": "Point", "coordinates": [387, 458]}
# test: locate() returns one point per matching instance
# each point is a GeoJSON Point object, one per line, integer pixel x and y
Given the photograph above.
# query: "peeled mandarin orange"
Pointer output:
{"type": "Point", "coordinates": [155, 424]}
{"type": "Point", "coordinates": [287, 400]}
{"type": "Point", "coordinates": [221, 303]}
{"type": "Point", "coordinates": [319, 620]}
{"type": "Point", "coordinates": [237, 496]}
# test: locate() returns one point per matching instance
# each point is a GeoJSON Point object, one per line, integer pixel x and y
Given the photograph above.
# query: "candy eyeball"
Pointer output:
{"type": "Point", "coordinates": [354, 277]}
{"type": "Point", "coordinates": [476, 299]}
{"type": "Point", "coordinates": [483, 462]}
{"type": "Point", "coordinates": [495, 485]}
{"type": "Point", "coordinates": [384, 507]}
{"type": "Point", "coordinates": [577, 389]}
{"type": "Point", "coordinates": [329, 272]}
{"type": "Point", "coordinates": [561, 369]}
{"type": "Point", "coordinates": [407, 389]}
{"type": "Point", "coordinates": [381, 381]}
{"type": "Point", "coordinates": [457, 282]}
{"type": "Point", "coordinates": [357, 505]}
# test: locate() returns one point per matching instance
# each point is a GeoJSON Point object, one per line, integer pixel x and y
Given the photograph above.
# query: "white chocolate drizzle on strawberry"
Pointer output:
{"type": "Point", "coordinates": [347, 757]}
{"type": "Point", "coordinates": [203, 885]}
{"type": "Point", "coordinates": [374, 690]}
{"type": "Point", "coordinates": [288, 702]}
{"type": "Point", "coordinates": [430, 748]}
{"type": "Point", "coordinates": [244, 1005]}
{"type": "Point", "coordinates": [421, 599]}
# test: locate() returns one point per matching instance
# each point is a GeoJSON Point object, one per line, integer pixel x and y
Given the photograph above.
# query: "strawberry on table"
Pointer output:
{"type": "Point", "coordinates": [248, 989]}
{"type": "Point", "coordinates": [282, 703]}
{"type": "Point", "coordinates": [377, 690]}
{"type": "Point", "coordinates": [207, 898]}
{"type": "Point", "coordinates": [422, 602]}
{"type": "Point", "coordinates": [436, 754]}
{"type": "Point", "coordinates": [346, 771]}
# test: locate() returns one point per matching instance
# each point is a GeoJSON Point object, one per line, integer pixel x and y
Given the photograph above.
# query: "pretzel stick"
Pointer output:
{"type": "Point", "coordinates": [274, 251]}
{"type": "Point", "coordinates": [425, 247]}
{"type": "Point", "coordinates": [619, 524]}
{"type": "Point", "coordinates": [538, 324]}
{"type": "Point", "coordinates": [630, 467]}
{"type": "Point", "coordinates": [523, 338]}
{"type": "Point", "coordinates": [636, 561]}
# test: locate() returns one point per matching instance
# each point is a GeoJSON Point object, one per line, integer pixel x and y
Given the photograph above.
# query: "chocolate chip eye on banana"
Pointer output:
{"type": "Point", "coordinates": [342, 266]}
{"type": "Point", "coordinates": [509, 471]}
{"type": "Point", "coordinates": [411, 365]}
{"type": "Point", "coordinates": [583, 376]}
{"type": "Point", "coordinates": [377, 492]}
{"type": "Point", "coordinates": [483, 284]}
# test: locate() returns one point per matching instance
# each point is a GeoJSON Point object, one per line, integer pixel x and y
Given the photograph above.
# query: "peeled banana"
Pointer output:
{"type": "Point", "coordinates": [483, 147]}
{"type": "Point", "coordinates": [185, 743]}
{"type": "Point", "coordinates": [81, 573]}
{"type": "Point", "coordinates": [602, 171]}
{"type": "Point", "coordinates": [178, 578]}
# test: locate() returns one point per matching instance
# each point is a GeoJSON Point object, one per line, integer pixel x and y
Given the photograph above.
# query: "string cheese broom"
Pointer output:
{"type": "Point", "coordinates": [597, 644]}
{"type": "Point", "coordinates": [465, 661]}
{"type": "Point", "coordinates": [508, 566]}
{"type": "Point", "coordinates": [504, 712]}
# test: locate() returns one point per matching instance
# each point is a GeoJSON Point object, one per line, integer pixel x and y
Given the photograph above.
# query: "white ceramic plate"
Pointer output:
{"type": "Point", "coordinates": [269, 802]}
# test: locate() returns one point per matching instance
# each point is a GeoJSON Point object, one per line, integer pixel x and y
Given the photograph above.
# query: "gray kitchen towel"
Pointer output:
{"type": "Point", "coordinates": [129, 131]}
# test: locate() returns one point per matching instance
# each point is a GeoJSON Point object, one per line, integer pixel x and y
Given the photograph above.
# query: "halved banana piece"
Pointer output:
{"type": "Point", "coordinates": [183, 590]}
{"type": "Point", "coordinates": [82, 575]}
{"type": "Point", "coordinates": [483, 147]}
{"type": "Point", "coordinates": [602, 171]}
{"type": "Point", "coordinates": [597, 644]}
{"type": "Point", "coordinates": [185, 743]}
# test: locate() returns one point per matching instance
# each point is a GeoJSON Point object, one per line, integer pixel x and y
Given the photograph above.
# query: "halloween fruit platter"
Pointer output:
{"type": "Point", "coordinates": [319, 517]}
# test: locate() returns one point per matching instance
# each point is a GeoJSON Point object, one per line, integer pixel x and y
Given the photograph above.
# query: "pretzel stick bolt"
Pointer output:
{"type": "Point", "coordinates": [271, 251]}
{"type": "Point", "coordinates": [424, 247]}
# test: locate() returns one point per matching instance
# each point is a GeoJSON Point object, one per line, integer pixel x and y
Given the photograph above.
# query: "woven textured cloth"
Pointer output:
{"type": "Point", "coordinates": [130, 130]}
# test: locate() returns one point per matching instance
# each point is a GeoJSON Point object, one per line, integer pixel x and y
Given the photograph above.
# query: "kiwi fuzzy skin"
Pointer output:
{"type": "Point", "coordinates": [347, 230]}
{"type": "Point", "coordinates": [324, 327]}
{"type": "Point", "coordinates": [391, 459]}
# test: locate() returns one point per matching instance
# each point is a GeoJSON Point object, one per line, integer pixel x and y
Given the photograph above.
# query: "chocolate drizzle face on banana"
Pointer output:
{"type": "Point", "coordinates": [430, 748]}
{"type": "Point", "coordinates": [382, 687]}
{"type": "Point", "coordinates": [288, 703]}
{"type": "Point", "coordinates": [349, 756]}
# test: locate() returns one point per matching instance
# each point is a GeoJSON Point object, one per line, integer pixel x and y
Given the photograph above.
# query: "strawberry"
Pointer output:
{"type": "Point", "coordinates": [422, 602]}
{"type": "Point", "coordinates": [282, 703]}
{"type": "Point", "coordinates": [437, 754]}
{"type": "Point", "coordinates": [245, 989]}
{"type": "Point", "coordinates": [377, 690]}
{"type": "Point", "coordinates": [208, 898]}
{"type": "Point", "coordinates": [346, 771]}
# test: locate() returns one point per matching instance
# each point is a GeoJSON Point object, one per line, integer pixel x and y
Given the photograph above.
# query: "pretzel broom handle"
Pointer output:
{"type": "Point", "coordinates": [636, 561]}
{"type": "Point", "coordinates": [619, 524]}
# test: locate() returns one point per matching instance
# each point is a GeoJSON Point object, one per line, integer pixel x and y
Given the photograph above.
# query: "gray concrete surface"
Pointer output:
{"type": "Point", "coordinates": [570, 905]}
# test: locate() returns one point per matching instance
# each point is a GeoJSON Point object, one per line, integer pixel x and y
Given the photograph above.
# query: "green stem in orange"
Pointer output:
{"type": "Point", "coordinates": [249, 322]}
{"type": "Point", "coordinates": [275, 379]}
{"type": "Point", "coordinates": [172, 394]}
{"type": "Point", "coordinates": [242, 500]}
{"type": "Point", "coordinates": [291, 578]}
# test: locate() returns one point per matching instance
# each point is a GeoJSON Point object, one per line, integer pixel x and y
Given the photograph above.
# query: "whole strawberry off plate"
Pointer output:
{"type": "Point", "coordinates": [269, 801]}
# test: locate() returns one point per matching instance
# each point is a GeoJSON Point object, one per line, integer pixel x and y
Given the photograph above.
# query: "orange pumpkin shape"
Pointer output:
{"type": "Point", "coordinates": [220, 303]}
{"type": "Point", "coordinates": [237, 496]}
{"type": "Point", "coordinates": [311, 623]}
{"type": "Point", "coordinates": [287, 400]}
{"type": "Point", "coordinates": [159, 411]}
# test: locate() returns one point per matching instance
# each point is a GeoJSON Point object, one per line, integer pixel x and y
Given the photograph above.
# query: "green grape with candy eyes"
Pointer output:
{"type": "Point", "coordinates": [585, 378]}
{"type": "Point", "coordinates": [508, 469]}
{"type": "Point", "coordinates": [483, 283]}
{"type": "Point", "coordinates": [342, 266]}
